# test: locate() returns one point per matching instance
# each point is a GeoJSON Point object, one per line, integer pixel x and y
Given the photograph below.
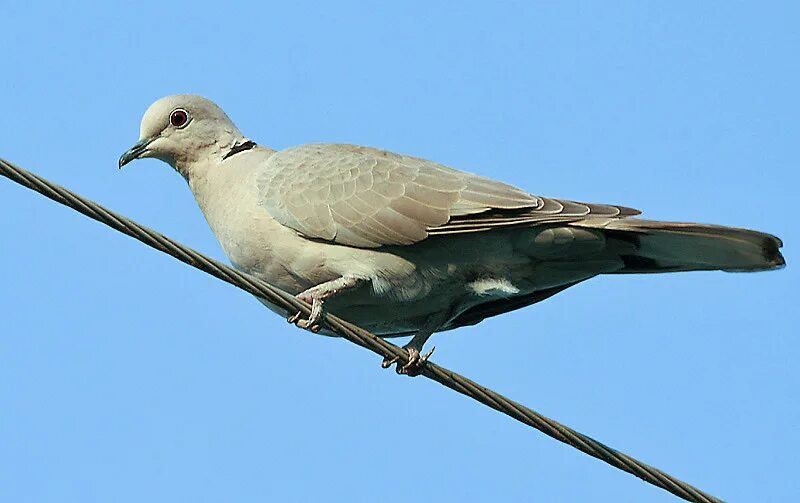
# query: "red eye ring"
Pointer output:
{"type": "Point", "coordinates": [179, 118]}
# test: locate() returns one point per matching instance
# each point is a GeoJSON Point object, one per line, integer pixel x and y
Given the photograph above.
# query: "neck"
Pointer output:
{"type": "Point", "coordinates": [205, 151]}
{"type": "Point", "coordinates": [239, 147]}
{"type": "Point", "coordinates": [213, 174]}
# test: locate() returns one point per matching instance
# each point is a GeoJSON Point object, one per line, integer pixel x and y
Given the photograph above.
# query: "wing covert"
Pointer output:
{"type": "Point", "coordinates": [365, 197]}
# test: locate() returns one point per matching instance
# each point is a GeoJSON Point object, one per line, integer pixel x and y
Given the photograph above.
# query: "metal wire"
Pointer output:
{"type": "Point", "coordinates": [356, 335]}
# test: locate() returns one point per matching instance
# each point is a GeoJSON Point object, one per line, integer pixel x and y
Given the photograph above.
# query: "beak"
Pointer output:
{"type": "Point", "coordinates": [136, 151]}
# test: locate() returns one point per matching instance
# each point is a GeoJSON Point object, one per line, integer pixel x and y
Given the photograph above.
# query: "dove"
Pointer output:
{"type": "Point", "coordinates": [403, 246]}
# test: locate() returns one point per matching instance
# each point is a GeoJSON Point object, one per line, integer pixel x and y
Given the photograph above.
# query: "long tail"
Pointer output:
{"type": "Point", "coordinates": [649, 246]}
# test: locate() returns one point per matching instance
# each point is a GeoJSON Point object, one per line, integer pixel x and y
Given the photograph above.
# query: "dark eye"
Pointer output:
{"type": "Point", "coordinates": [179, 118]}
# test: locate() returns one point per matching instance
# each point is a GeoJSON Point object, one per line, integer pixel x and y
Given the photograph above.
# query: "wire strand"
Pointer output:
{"type": "Point", "coordinates": [356, 334]}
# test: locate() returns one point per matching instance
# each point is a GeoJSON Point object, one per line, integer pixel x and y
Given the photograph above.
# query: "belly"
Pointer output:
{"type": "Point", "coordinates": [387, 307]}
{"type": "Point", "coordinates": [405, 286]}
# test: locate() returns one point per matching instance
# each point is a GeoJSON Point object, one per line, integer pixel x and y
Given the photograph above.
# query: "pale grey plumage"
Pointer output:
{"type": "Point", "coordinates": [361, 196]}
{"type": "Point", "coordinates": [402, 245]}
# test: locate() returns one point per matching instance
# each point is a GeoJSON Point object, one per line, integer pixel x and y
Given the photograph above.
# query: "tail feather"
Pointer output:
{"type": "Point", "coordinates": [648, 246]}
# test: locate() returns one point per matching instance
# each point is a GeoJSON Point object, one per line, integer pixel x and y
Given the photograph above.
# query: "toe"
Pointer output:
{"type": "Point", "coordinates": [389, 361]}
{"type": "Point", "coordinates": [414, 365]}
{"type": "Point", "coordinates": [295, 318]}
{"type": "Point", "coordinates": [311, 325]}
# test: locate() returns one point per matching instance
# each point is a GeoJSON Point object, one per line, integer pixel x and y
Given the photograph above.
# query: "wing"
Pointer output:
{"type": "Point", "coordinates": [364, 197]}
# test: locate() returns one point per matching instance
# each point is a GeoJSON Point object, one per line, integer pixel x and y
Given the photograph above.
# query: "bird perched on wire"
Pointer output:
{"type": "Point", "coordinates": [404, 246]}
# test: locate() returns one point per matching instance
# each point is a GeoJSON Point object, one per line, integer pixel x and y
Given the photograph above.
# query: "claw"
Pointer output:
{"type": "Point", "coordinates": [309, 325]}
{"type": "Point", "coordinates": [388, 362]}
{"type": "Point", "coordinates": [316, 296]}
{"type": "Point", "coordinates": [416, 362]}
{"type": "Point", "coordinates": [313, 321]}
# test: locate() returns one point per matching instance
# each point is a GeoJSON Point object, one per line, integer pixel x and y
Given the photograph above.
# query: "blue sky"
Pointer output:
{"type": "Point", "coordinates": [128, 376]}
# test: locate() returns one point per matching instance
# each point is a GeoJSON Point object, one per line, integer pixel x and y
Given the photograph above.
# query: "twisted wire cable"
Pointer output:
{"type": "Point", "coordinates": [356, 334]}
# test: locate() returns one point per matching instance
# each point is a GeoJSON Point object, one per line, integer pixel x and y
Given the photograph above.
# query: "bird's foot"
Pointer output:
{"type": "Point", "coordinates": [313, 321]}
{"type": "Point", "coordinates": [416, 362]}
{"type": "Point", "coordinates": [309, 324]}
{"type": "Point", "coordinates": [316, 296]}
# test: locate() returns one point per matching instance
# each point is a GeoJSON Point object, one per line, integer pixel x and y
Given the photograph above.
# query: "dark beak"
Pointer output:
{"type": "Point", "coordinates": [136, 151]}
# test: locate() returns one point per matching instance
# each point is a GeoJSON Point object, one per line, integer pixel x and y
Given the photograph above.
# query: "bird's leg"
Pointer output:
{"type": "Point", "coordinates": [416, 359]}
{"type": "Point", "coordinates": [317, 295]}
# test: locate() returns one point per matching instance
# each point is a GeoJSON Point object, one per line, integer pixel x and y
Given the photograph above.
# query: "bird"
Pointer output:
{"type": "Point", "coordinates": [404, 246]}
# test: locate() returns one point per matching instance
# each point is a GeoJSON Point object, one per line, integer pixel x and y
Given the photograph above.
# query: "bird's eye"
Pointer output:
{"type": "Point", "coordinates": [179, 118]}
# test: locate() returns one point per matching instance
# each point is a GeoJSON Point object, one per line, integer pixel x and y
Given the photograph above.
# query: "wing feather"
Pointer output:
{"type": "Point", "coordinates": [364, 197]}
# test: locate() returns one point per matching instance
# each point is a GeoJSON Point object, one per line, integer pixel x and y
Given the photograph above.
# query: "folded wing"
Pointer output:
{"type": "Point", "coordinates": [365, 197]}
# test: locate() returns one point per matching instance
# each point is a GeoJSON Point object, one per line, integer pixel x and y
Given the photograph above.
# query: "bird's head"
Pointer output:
{"type": "Point", "coordinates": [181, 129]}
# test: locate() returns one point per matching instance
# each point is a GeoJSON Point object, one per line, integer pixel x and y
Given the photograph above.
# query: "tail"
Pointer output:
{"type": "Point", "coordinates": [648, 246]}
